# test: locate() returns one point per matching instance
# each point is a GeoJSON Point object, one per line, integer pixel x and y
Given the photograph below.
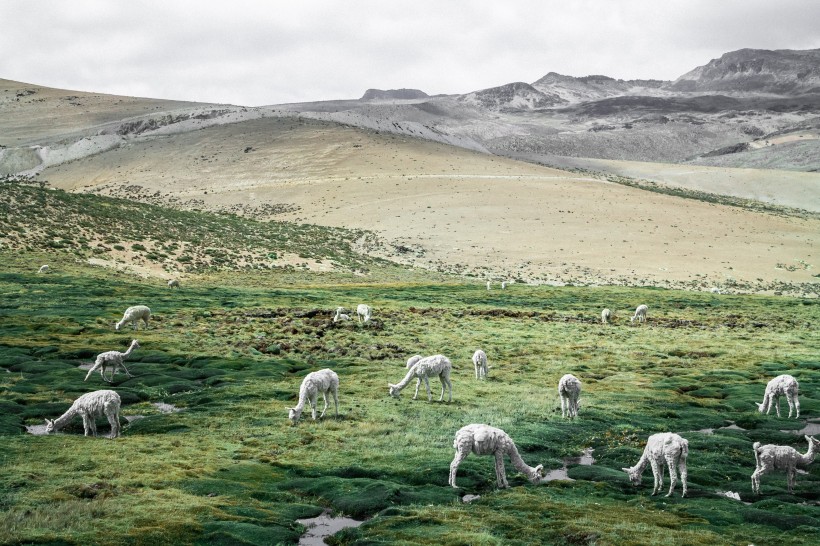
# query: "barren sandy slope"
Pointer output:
{"type": "Point", "coordinates": [448, 208]}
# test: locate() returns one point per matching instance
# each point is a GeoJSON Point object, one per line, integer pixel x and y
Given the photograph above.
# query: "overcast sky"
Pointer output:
{"type": "Point", "coordinates": [253, 53]}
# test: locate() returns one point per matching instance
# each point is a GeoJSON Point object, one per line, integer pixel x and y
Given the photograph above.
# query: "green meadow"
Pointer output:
{"type": "Point", "coordinates": [230, 348]}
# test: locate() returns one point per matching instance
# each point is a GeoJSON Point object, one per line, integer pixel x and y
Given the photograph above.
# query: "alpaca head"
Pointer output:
{"type": "Point", "coordinates": [394, 390]}
{"type": "Point", "coordinates": [135, 344]}
{"type": "Point", "coordinates": [49, 426]}
{"type": "Point", "coordinates": [634, 475]}
{"type": "Point", "coordinates": [117, 326]}
{"type": "Point", "coordinates": [760, 407]}
{"type": "Point", "coordinates": [294, 414]}
{"type": "Point", "coordinates": [814, 443]}
{"type": "Point", "coordinates": [537, 474]}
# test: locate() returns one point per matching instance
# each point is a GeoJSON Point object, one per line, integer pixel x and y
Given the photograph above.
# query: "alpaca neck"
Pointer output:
{"type": "Point", "coordinates": [518, 462]}
{"type": "Point", "coordinates": [407, 378]}
{"type": "Point", "coordinates": [64, 419]}
{"type": "Point", "coordinates": [302, 399]}
{"type": "Point", "coordinates": [808, 457]}
{"type": "Point", "coordinates": [129, 351]}
{"type": "Point", "coordinates": [641, 466]}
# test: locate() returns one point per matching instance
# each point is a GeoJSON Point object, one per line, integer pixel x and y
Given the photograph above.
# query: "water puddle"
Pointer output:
{"type": "Point", "coordinates": [323, 526]}
{"type": "Point", "coordinates": [732, 426]}
{"type": "Point", "coordinates": [132, 418]}
{"type": "Point", "coordinates": [166, 408]}
{"type": "Point", "coordinates": [585, 459]}
{"type": "Point", "coordinates": [467, 499]}
{"type": "Point", "coordinates": [37, 430]}
{"type": "Point", "coordinates": [812, 427]}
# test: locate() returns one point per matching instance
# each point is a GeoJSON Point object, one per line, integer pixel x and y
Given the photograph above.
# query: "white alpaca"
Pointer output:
{"type": "Point", "coordinates": [90, 406]}
{"type": "Point", "coordinates": [134, 315]}
{"type": "Point", "coordinates": [777, 387]}
{"type": "Point", "coordinates": [640, 314]}
{"type": "Point", "coordinates": [114, 359]}
{"type": "Point", "coordinates": [43, 269]}
{"type": "Point", "coordinates": [339, 315]}
{"type": "Point", "coordinates": [323, 381]}
{"type": "Point", "coordinates": [715, 290]}
{"type": "Point", "coordinates": [436, 365]}
{"type": "Point", "coordinates": [480, 364]}
{"type": "Point", "coordinates": [489, 283]}
{"type": "Point", "coordinates": [606, 315]}
{"type": "Point", "coordinates": [771, 457]}
{"type": "Point", "coordinates": [503, 285]}
{"type": "Point", "coordinates": [363, 312]}
{"type": "Point", "coordinates": [569, 390]}
{"type": "Point", "coordinates": [173, 283]}
{"type": "Point", "coordinates": [668, 447]}
{"type": "Point", "coordinates": [412, 361]}
{"type": "Point", "coordinates": [487, 440]}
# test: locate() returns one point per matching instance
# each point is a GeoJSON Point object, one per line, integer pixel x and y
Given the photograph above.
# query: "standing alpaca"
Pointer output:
{"type": "Point", "coordinates": [436, 365]}
{"type": "Point", "coordinates": [503, 285]}
{"type": "Point", "coordinates": [363, 312]}
{"type": "Point", "coordinates": [659, 447]}
{"type": "Point", "coordinates": [113, 359]}
{"type": "Point", "coordinates": [43, 269]}
{"type": "Point", "coordinates": [90, 406]}
{"type": "Point", "coordinates": [777, 387]}
{"type": "Point", "coordinates": [606, 314]}
{"type": "Point", "coordinates": [489, 283]}
{"type": "Point", "coordinates": [487, 440]}
{"type": "Point", "coordinates": [480, 364]}
{"type": "Point", "coordinates": [569, 390]}
{"type": "Point", "coordinates": [339, 315]}
{"type": "Point", "coordinates": [323, 381]}
{"type": "Point", "coordinates": [640, 313]}
{"type": "Point", "coordinates": [173, 283]}
{"type": "Point", "coordinates": [771, 457]}
{"type": "Point", "coordinates": [134, 315]}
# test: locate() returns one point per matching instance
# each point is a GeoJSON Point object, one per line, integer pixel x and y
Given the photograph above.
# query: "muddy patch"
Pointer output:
{"type": "Point", "coordinates": [731, 426]}
{"type": "Point", "coordinates": [132, 418]}
{"type": "Point", "coordinates": [324, 526]}
{"type": "Point", "coordinates": [586, 459]}
{"type": "Point", "coordinates": [166, 408]}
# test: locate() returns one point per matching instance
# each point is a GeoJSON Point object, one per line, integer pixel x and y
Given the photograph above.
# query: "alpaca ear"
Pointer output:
{"type": "Point", "coordinates": [539, 468]}
{"type": "Point", "coordinates": [625, 470]}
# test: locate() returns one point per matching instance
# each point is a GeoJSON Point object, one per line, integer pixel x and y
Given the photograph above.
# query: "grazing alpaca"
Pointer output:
{"type": "Point", "coordinates": [339, 315]}
{"type": "Point", "coordinates": [173, 283]}
{"type": "Point", "coordinates": [480, 364]}
{"type": "Point", "coordinates": [43, 269]}
{"type": "Point", "coordinates": [640, 314]}
{"type": "Point", "coordinates": [715, 290]}
{"type": "Point", "coordinates": [134, 315]}
{"type": "Point", "coordinates": [668, 447]}
{"type": "Point", "coordinates": [323, 381]}
{"type": "Point", "coordinates": [489, 283]}
{"type": "Point", "coordinates": [777, 387]}
{"type": "Point", "coordinates": [436, 365]}
{"type": "Point", "coordinates": [363, 312]}
{"type": "Point", "coordinates": [487, 440]}
{"type": "Point", "coordinates": [771, 457]}
{"type": "Point", "coordinates": [90, 406]}
{"type": "Point", "coordinates": [569, 389]}
{"type": "Point", "coordinates": [606, 314]}
{"type": "Point", "coordinates": [113, 359]}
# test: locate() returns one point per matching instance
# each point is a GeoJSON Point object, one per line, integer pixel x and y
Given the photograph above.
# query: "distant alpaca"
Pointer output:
{"type": "Point", "coordinates": [771, 457]}
{"type": "Point", "coordinates": [436, 365]}
{"type": "Point", "coordinates": [339, 315]}
{"type": "Point", "coordinates": [90, 406]}
{"type": "Point", "coordinates": [640, 314]}
{"type": "Point", "coordinates": [569, 390]}
{"type": "Point", "coordinates": [668, 447]}
{"type": "Point", "coordinates": [606, 314]}
{"type": "Point", "coordinates": [715, 290]}
{"type": "Point", "coordinates": [489, 283]}
{"type": "Point", "coordinates": [503, 285]}
{"type": "Point", "coordinates": [363, 312]}
{"type": "Point", "coordinates": [134, 315]}
{"type": "Point", "coordinates": [777, 387]}
{"type": "Point", "coordinates": [43, 269]}
{"type": "Point", "coordinates": [173, 283]}
{"type": "Point", "coordinates": [480, 364]}
{"type": "Point", "coordinates": [487, 440]}
{"type": "Point", "coordinates": [322, 381]}
{"type": "Point", "coordinates": [113, 359]}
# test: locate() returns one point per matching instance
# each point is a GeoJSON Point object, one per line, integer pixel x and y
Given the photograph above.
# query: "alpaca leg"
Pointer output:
{"type": "Point", "coordinates": [336, 401]}
{"type": "Point", "coordinates": [86, 425]}
{"type": "Point", "coordinates": [427, 386]}
{"type": "Point", "coordinates": [460, 456]}
{"type": "Point", "coordinates": [313, 400]}
{"type": "Point", "coordinates": [759, 471]}
{"type": "Point", "coordinates": [657, 471]}
{"type": "Point", "coordinates": [500, 471]}
{"type": "Point", "coordinates": [449, 389]}
{"type": "Point", "coordinates": [563, 406]}
{"type": "Point", "coordinates": [791, 474]}
{"type": "Point", "coordinates": [114, 421]}
{"type": "Point", "coordinates": [673, 476]}
{"type": "Point", "coordinates": [797, 407]}
{"type": "Point", "coordinates": [684, 474]}
{"type": "Point", "coordinates": [777, 405]}
{"type": "Point", "coordinates": [324, 397]}
{"type": "Point", "coordinates": [443, 386]}
{"type": "Point", "coordinates": [126, 370]}
{"type": "Point", "coordinates": [475, 365]}
{"type": "Point", "coordinates": [418, 384]}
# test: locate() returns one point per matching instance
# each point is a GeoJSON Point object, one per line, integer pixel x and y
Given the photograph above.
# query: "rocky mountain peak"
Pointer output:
{"type": "Point", "coordinates": [394, 94]}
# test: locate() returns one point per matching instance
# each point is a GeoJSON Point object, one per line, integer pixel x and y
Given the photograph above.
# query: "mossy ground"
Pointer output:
{"type": "Point", "coordinates": [230, 349]}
